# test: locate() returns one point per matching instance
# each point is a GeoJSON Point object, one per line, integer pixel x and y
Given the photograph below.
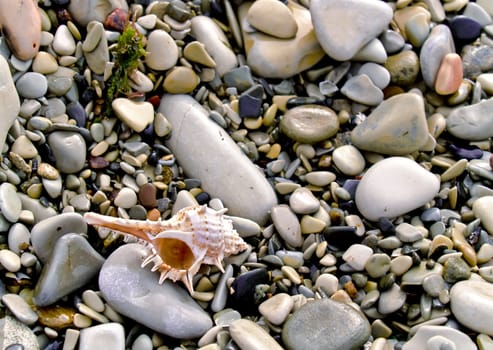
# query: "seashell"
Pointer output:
{"type": "Point", "coordinates": [194, 236]}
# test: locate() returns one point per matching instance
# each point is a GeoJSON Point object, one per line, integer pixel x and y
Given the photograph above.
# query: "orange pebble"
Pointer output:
{"type": "Point", "coordinates": [450, 74]}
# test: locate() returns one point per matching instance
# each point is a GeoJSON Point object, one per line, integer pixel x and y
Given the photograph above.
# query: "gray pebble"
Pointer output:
{"type": "Point", "coordinates": [302, 201]}
{"type": "Point", "coordinates": [287, 225]}
{"type": "Point", "coordinates": [32, 85]}
{"type": "Point", "coordinates": [69, 150]}
{"type": "Point", "coordinates": [20, 308]}
{"type": "Point", "coordinates": [10, 203]}
{"type": "Point", "coordinates": [391, 300]}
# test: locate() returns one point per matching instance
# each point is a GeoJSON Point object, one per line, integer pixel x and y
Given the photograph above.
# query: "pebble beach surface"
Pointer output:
{"type": "Point", "coordinates": [350, 141]}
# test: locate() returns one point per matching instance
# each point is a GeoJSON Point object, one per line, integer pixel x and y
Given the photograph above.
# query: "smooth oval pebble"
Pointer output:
{"type": "Point", "coordinates": [348, 160]}
{"type": "Point", "coordinates": [394, 186]}
{"type": "Point", "coordinates": [108, 335]}
{"type": "Point", "coordinates": [161, 51]}
{"type": "Point", "coordinates": [239, 184]}
{"type": "Point", "coordinates": [32, 85]}
{"type": "Point", "coordinates": [449, 75]}
{"type": "Point", "coordinates": [277, 308]}
{"type": "Point", "coordinates": [273, 18]}
{"type": "Point", "coordinates": [10, 203]}
{"type": "Point", "coordinates": [302, 201]}
{"type": "Point", "coordinates": [287, 224]}
{"type": "Point", "coordinates": [310, 327]}
{"type": "Point", "coordinates": [20, 308]}
{"type": "Point", "coordinates": [310, 123]}
{"type": "Point", "coordinates": [9, 260]}
{"type": "Point", "coordinates": [471, 303]}
{"type": "Point", "coordinates": [250, 336]}
{"type": "Point", "coordinates": [472, 122]}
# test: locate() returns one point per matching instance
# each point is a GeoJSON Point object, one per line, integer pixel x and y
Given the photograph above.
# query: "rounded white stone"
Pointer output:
{"type": "Point", "coordinates": [277, 308]}
{"type": "Point", "coordinates": [482, 209]}
{"type": "Point", "coordinates": [393, 187]}
{"type": "Point", "coordinates": [348, 160]}
{"type": "Point", "coordinates": [357, 255]}
{"type": "Point", "coordinates": [9, 260]}
{"type": "Point", "coordinates": [63, 42]}
{"type": "Point", "coordinates": [126, 198]}
{"type": "Point", "coordinates": [162, 51]}
{"type": "Point", "coordinates": [137, 115]}
{"type": "Point", "coordinates": [472, 305]}
{"type": "Point", "coordinates": [272, 17]}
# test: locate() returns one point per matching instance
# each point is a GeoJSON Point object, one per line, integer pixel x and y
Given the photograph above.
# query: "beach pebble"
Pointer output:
{"type": "Point", "coordinates": [438, 337]}
{"type": "Point", "coordinates": [108, 335]}
{"type": "Point", "coordinates": [277, 308]}
{"type": "Point", "coordinates": [471, 303]}
{"type": "Point", "coordinates": [73, 263]}
{"type": "Point", "coordinates": [343, 27]}
{"type": "Point", "coordinates": [357, 256]}
{"type": "Point", "coordinates": [394, 186]}
{"type": "Point", "coordinates": [9, 100]}
{"type": "Point", "coordinates": [126, 198]}
{"type": "Point", "coordinates": [482, 210]}
{"type": "Point", "coordinates": [69, 150]}
{"type": "Point", "coordinates": [120, 293]}
{"type": "Point", "coordinates": [250, 336]}
{"type": "Point", "coordinates": [10, 203]}
{"type": "Point", "coordinates": [309, 123]}
{"type": "Point", "coordinates": [181, 80]}
{"type": "Point", "coordinates": [377, 265]}
{"type": "Point", "coordinates": [377, 73]}
{"type": "Point", "coordinates": [471, 122]}
{"type": "Point", "coordinates": [98, 56]}
{"type": "Point", "coordinates": [63, 42]}
{"type": "Point", "coordinates": [287, 224]}
{"type": "Point", "coordinates": [310, 328]}
{"type": "Point", "coordinates": [21, 26]}
{"type": "Point", "coordinates": [20, 308]}
{"type": "Point", "coordinates": [32, 85]}
{"type": "Point", "coordinates": [438, 44]}
{"type": "Point", "coordinates": [302, 201]}
{"type": "Point", "coordinates": [361, 89]}
{"type": "Point", "coordinates": [273, 18]}
{"type": "Point", "coordinates": [16, 333]}
{"type": "Point", "coordinates": [389, 129]}
{"type": "Point", "coordinates": [328, 283]}
{"type": "Point", "coordinates": [162, 51]}
{"type": "Point", "coordinates": [449, 75]}
{"type": "Point", "coordinates": [46, 232]}
{"type": "Point", "coordinates": [85, 11]}
{"type": "Point", "coordinates": [44, 63]}
{"type": "Point", "coordinates": [403, 67]}
{"type": "Point", "coordinates": [136, 114]}
{"type": "Point", "coordinates": [281, 58]}
{"type": "Point", "coordinates": [206, 31]}
{"type": "Point", "coordinates": [348, 160]}
{"type": "Point", "coordinates": [239, 184]}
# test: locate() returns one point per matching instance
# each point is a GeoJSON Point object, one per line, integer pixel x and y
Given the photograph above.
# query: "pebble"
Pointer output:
{"type": "Point", "coordinates": [20, 308]}
{"type": "Point", "coordinates": [471, 303]}
{"type": "Point", "coordinates": [180, 80]}
{"type": "Point", "coordinates": [63, 42]}
{"type": "Point", "coordinates": [348, 160]}
{"type": "Point", "coordinates": [343, 33]}
{"type": "Point", "coordinates": [357, 256]}
{"type": "Point", "coordinates": [403, 67]}
{"type": "Point", "coordinates": [23, 40]}
{"type": "Point", "coordinates": [287, 225]}
{"type": "Point", "coordinates": [449, 75]}
{"type": "Point", "coordinates": [97, 56]}
{"type": "Point", "coordinates": [9, 260]}
{"type": "Point", "coordinates": [72, 264]}
{"type": "Point", "coordinates": [309, 123]}
{"type": "Point", "coordinates": [302, 201]}
{"type": "Point", "coordinates": [69, 150]}
{"type": "Point", "coordinates": [389, 129]}
{"type": "Point", "coordinates": [242, 188]}
{"type": "Point", "coordinates": [438, 337]}
{"type": "Point", "coordinates": [378, 265]}
{"type": "Point", "coordinates": [10, 203]}
{"type": "Point", "coordinates": [161, 51]}
{"type": "Point", "coordinates": [142, 342]}
{"type": "Point", "coordinates": [119, 293]}
{"type": "Point", "coordinates": [9, 99]}
{"type": "Point", "coordinates": [361, 89]}
{"type": "Point", "coordinates": [270, 57]}
{"type": "Point", "coordinates": [250, 336]}
{"type": "Point", "coordinates": [206, 31]}
{"type": "Point", "coordinates": [471, 122]}
{"type": "Point", "coordinates": [411, 186]}
{"type": "Point", "coordinates": [310, 328]}
{"type": "Point", "coordinates": [137, 115]}
{"type": "Point", "coordinates": [32, 85]}
{"type": "Point", "coordinates": [277, 308]}
{"type": "Point", "coordinates": [109, 335]}
{"type": "Point", "coordinates": [44, 63]}
{"type": "Point", "coordinates": [273, 18]}
{"type": "Point", "coordinates": [438, 44]}
{"type": "Point", "coordinates": [85, 11]}
{"type": "Point", "coordinates": [126, 198]}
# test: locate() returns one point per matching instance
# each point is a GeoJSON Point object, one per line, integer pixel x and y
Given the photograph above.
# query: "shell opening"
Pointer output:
{"type": "Point", "coordinates": [174, 252]}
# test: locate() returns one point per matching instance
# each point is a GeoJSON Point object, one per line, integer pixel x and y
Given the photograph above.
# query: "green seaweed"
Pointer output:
{"type": "Point", "coordinates": [127, 53]}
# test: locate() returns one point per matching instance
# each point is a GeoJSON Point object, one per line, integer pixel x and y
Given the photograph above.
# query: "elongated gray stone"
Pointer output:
{"type": "Point", "coordinates": [135, 292]}
{"type": "Point", "coordinates": [473, 123]}
{"type": "Point", "coordinates": [9, 100]}
{"type": "Point", "coordinates": [206, 151]}
{"type": "Point", "coordinates": [437, 45]}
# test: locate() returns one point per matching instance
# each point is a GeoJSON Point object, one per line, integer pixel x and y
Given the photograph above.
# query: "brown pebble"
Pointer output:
{"type": "Point", "coordinates": [98, 162]}
{"type": "Point", "coordinates": [56, 317]}
{"type": "Point", "coordinates": [147, 195]}
{"type": "Point", "coordinates": [48, 171]}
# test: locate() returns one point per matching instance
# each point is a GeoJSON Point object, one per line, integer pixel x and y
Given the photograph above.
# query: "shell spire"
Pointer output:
{"type": "Point", "coordinates": [194, 236]}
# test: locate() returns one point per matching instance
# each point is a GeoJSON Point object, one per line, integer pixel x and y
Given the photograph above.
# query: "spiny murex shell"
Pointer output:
{"type": "Point", "coordinates": [194, 236]}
